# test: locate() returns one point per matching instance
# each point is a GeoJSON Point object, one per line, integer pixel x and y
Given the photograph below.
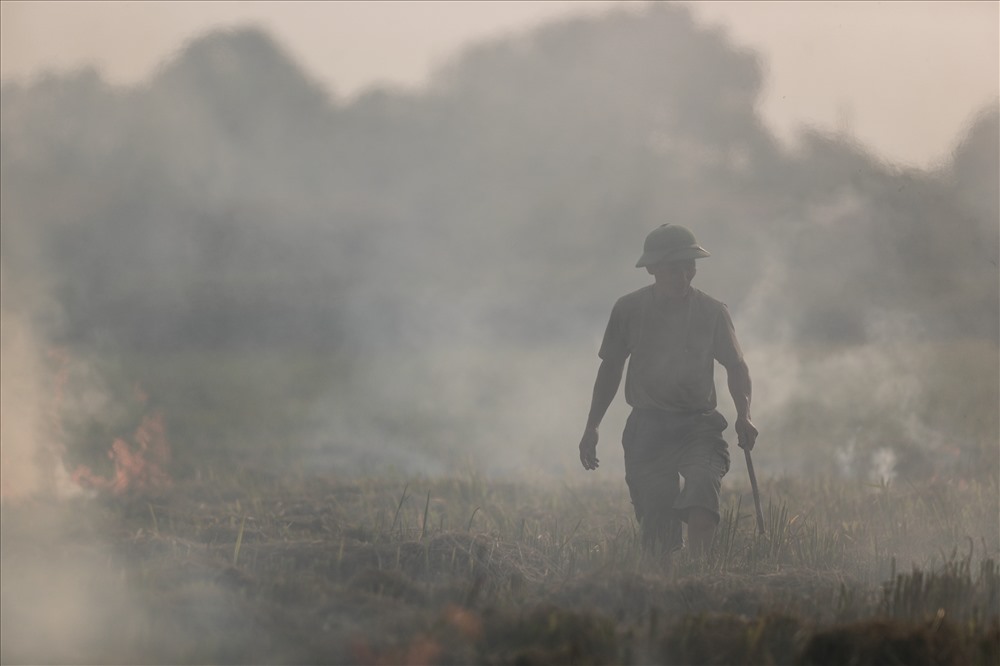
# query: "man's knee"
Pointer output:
{"type": "Point", "coordinates": [700, 517]}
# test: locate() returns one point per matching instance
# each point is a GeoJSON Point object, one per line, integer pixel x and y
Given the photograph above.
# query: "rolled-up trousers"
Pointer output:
{"type": "Point", "coordinates": [662, 447]}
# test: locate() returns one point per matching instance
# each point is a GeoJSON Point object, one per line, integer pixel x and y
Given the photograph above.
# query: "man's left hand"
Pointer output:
{"type": "Point", "coordinates": [746, 433]}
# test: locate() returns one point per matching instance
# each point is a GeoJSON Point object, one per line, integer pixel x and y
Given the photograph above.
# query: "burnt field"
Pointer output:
{"type": "Point", "coordinates": [295, 377]}
{"type": "Point", "coordinates": [318, 569]}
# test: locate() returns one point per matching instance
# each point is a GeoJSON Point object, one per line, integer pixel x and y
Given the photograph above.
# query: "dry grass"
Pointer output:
{"type": "Point", "coordinates": [323, 570]}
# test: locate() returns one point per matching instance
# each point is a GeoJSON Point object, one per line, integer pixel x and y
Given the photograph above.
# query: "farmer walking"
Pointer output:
{"type": "Point", "coordinates": [671, 333]}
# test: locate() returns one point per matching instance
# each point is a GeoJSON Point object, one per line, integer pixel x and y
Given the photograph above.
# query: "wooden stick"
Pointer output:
{"type": "Point", "coordinates": [756, 493]}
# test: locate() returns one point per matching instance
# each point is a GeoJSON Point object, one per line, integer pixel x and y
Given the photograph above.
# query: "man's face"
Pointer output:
{"type": "Point", "coordinates": [675, 275]}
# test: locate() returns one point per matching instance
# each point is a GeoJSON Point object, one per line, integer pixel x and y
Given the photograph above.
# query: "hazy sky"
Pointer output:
{"type": "Point", "coordinates": [905, 77]}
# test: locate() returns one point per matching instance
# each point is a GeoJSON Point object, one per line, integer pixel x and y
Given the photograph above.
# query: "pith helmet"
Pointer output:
{"type": "Point", "coordinates": [670, 242]}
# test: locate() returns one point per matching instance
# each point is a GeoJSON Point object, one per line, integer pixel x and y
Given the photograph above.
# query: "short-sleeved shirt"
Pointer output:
{"type": "Point", "coordinates": [671, 346]}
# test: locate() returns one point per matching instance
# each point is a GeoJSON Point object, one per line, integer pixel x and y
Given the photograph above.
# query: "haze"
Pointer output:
{"type": "Point", "coordinates": [428, 269]}
{"type": "Point", "coordinates": [241, 290]}
{"type": "Point", "coordinates": [900, 76]}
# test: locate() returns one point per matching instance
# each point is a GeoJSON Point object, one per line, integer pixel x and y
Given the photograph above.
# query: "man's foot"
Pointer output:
{"type": "Point", "coordinates": [667, 569]}
{"type": "Point", "coordinates": [658, 564]}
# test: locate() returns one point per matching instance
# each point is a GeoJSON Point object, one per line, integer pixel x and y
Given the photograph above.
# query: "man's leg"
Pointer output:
{"type": "Point", "coordinates": [653, 482]}
{"type": "Point", "coordinates": [701, 530]}
{"type": "Point", "coordinates": [661, 528]}
{"type": "Point", "coordinates": [653, 492]}
{"type": "Point", "coordinates": [704, 461]}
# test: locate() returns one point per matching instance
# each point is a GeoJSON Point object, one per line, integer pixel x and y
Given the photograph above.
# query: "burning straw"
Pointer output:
{"type": "Point", "coordinates": [140, 468]}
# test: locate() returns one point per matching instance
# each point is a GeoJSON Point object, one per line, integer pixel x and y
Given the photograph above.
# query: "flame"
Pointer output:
{"type": "Point", "coordinates": [35, 437]}
{"type": "Point", "coordinates": [37, 382]}
{"type": "Point", "coordinates": [465, 621]}
{"type": "Point", "coordinates": [140, 469]}
{"type": "Point", "coordinates": [421, 651]}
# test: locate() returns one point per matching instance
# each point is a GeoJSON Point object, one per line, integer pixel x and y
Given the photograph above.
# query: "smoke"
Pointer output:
{"type": "Point", "coordinates": [68, 593]}
{"type": "Point", "coordinates": [21, 413]}
{"type": "Point", "coordinates": [419, 280]}
{"type": "Point", "coordinates": [58, 601]}
{"type": "Point", "coordinates": [52, 606]}
{"type": "Point", "coordinates": [32, 404]}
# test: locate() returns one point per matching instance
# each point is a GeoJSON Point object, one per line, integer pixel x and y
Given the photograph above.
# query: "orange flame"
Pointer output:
{"type": "Point", "coordinates": [421, 651]}
{"type": "Point", "coordinates": [36, 388]}
{"type": "Point", "coordinates": [139, 469]}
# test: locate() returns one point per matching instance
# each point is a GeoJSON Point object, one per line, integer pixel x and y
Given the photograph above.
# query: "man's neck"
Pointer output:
{"type": "Point", "coordinates": [667, 292]}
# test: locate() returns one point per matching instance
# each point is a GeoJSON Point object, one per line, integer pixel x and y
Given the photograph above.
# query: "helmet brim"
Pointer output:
{"type": "Point", "coordinates": [681, 254]}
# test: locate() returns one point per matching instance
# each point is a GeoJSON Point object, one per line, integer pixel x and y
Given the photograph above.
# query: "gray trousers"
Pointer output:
{"type": "Point", "coordinates": [660, 448]}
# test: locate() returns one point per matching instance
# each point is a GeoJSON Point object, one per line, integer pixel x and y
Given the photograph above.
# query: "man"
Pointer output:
{"type": "Point", "coordinates": [672, 333]}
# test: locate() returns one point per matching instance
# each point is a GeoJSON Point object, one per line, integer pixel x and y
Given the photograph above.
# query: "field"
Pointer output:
{"type": "Point", "coordinates": [256, 335]}
{"type": "Point", "coordinates": [265, 568]}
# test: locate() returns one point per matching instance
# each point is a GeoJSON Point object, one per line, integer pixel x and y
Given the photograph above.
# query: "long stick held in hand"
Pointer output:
{"type": "Point", "coordinates": [756, 493]}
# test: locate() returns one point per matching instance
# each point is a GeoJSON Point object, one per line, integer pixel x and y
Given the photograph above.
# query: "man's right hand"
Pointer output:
{"type": "Point", "coordinates": [588, 449]}
{"type": "Point", "coordinates": [746, 433]}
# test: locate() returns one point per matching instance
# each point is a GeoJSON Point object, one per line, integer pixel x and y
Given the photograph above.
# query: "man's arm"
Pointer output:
{"type": "Point", "coordinates": [740, 388]}
{"type": "Point", "coordinates": [609, 377]}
